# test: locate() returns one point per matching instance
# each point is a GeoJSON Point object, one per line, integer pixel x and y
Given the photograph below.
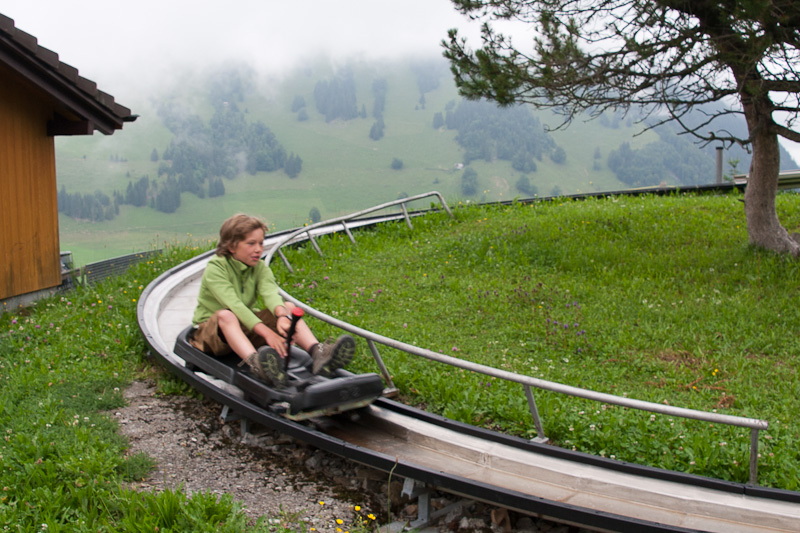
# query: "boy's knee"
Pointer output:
{"type": "Point", "coordinates": [226, 316]}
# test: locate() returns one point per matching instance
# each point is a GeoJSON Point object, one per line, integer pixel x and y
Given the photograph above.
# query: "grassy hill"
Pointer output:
{"type": "Point", "coordinates": [343, 169]}
{"type": "Point", "coordinates": [654, 298]}
{"type": "Point", "coordinates": [666, 303]}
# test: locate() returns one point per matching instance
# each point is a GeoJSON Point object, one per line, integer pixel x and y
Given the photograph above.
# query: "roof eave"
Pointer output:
{"type": "Point", "coordinates": [93, 109]}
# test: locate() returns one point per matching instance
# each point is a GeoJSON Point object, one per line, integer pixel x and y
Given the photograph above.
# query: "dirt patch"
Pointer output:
{"type": "Point", "coordinates": [269, 473]}
{"type": "Point", "coordinates": [274, 475]}
{"type": "Point", "coordinates": [680, 359]}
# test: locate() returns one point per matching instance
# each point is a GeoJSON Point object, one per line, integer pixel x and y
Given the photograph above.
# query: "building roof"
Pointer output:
{"type": "Point", "coordinates": [80, 107]}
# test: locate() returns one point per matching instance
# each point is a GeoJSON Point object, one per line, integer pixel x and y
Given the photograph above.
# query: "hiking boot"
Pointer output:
{"type": "Point", "coordinates": [321, 355]}
{"type": "Point", "coordinates": [331, 356]}
{"type": "Point", "coordinates": [267, 365]}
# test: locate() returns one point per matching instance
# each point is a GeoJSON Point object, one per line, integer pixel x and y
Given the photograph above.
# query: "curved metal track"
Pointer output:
{"type": "Point", "coordinates": [478, 464]}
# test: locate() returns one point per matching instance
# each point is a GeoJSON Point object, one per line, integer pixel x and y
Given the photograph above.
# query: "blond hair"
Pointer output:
{"type": "Point", "coordinates": [234, 230]}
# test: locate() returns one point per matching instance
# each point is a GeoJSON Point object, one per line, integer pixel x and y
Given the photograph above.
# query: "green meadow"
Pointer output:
{"type": "Point", "coordinates": [343, 169]}
{"type": "Point", "coordinates": [659, 299]}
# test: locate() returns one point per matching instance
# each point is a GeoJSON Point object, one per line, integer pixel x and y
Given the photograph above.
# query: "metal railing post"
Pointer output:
{"type": "Point", "coordinates": [347, 230]}
{"type": "Point", "coordinates": [537, 421]}
{"type": "Point", "coordinates": [314, 243]}
{"type": "Point", "coordinates": [379, 361]}
{"type": "Point", "coordinates": [753, 456]}
{"type": "Point", "coordinates": [285, 261]}
{"type": "Point", "coordinates": [405, 214]}
{"type": "Point", "coordinates": [444, 204]}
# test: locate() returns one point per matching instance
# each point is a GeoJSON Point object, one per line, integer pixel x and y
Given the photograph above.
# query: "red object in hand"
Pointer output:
{"type": "Point", "coordinates": [297, 314]}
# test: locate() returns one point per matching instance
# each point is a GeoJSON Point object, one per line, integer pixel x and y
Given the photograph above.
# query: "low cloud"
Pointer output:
{"type": "Point", "coordinates": [125, 45]}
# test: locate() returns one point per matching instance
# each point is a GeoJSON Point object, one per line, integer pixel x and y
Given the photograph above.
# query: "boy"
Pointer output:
{"type": "Point", "coordinates": [225, 319]}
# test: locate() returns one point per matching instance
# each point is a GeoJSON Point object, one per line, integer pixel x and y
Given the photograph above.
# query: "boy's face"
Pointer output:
{"type": "Point", "coordinates": [249, 249]}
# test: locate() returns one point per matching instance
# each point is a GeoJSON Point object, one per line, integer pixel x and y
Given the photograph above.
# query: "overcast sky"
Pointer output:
{"type": "Point", "coordinates": [121, 44]}
{"type": "Point", "coordinates": [116, 43]}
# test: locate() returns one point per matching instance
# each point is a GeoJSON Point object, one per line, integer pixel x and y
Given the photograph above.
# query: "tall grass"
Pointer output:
{"type": "Point", "coordinates": [658, 299]}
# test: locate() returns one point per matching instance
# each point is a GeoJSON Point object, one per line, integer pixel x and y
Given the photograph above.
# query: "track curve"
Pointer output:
{"type": "Point", "coordinates": [532, 478]}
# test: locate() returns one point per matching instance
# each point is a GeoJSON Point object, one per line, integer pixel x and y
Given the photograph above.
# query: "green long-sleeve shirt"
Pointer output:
{"type": "Point", "coordinates": [230, 284]}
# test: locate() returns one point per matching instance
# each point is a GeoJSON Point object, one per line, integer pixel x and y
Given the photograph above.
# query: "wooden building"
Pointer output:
{"type": "Point", "coordinates": [40, 97]}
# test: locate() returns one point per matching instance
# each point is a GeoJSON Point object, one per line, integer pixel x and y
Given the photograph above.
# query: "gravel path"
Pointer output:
{"type": "Point", "coordinates": [274, 475]}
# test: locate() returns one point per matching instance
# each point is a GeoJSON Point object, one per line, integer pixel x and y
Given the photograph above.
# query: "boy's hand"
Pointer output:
{"type": "Point", "coordinates": [283, 325]}
{"type": "Point", "coordinates": [272, 339]}
{"type": "Point", "coordinates": [276, 342]}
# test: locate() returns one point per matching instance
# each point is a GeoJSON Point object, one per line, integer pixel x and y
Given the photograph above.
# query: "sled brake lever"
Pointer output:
{"type": "Point", "coordinates": [297, 314]}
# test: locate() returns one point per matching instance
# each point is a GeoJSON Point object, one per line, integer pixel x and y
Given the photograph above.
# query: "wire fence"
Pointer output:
{"type": "Point", "coordinates": [95, 272]}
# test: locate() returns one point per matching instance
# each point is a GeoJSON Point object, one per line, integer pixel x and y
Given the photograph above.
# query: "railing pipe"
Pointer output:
{"type": "Point", "coordinates": [527, 381]}
{"type": "Point", "coordinates": [342, 220]}
{"type": "Point", "coordinates": [753, 423]}
{"type": "Point", "coordinates": [535, 382]}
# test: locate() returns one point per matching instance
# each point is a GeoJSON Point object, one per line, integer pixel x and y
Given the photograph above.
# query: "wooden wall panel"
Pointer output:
{"type": "Point", "coordinates": [29, 241]}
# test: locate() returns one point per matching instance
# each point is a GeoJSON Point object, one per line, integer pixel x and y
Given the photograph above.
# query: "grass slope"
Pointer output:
{"type": "Point", "coordinates": [343, 169]}
{"type": "Point", "coordinates": [655, 298]}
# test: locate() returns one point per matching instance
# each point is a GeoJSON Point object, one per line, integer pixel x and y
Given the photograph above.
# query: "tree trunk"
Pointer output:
{"type": "Point", "coordinates": [763, 227]}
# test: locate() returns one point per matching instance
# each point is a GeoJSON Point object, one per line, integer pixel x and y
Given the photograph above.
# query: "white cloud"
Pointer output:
{"type": "Point", "coordinates": [120, 43]}
{"type": "Point", "coordinates": [125, 45]}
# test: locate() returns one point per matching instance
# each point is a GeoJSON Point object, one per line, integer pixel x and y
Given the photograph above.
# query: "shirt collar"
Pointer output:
{"type": "Point", "coordinates": [238, 265]}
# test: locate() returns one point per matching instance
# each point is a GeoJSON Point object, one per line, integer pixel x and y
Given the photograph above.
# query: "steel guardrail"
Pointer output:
{"type": "Point", "coordinates": [156, 299]}
{"type": "Point", "coordinates": [528, 383]}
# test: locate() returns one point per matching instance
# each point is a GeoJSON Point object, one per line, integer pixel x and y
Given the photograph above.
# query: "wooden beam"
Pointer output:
{"type": "Point", "coordinates": [62, 126]}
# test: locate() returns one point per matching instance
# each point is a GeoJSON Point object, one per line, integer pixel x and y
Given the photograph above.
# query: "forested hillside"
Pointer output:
{"type": "Point", "coordinates": [323, 141]}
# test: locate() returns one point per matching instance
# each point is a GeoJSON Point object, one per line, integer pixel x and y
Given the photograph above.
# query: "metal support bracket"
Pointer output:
{"type": "Point", "coordinates": [425, 516]}
{"type": "Point", "coordinates": [540, 436]}
{"type": "Point", "coordinates": [229, 415]}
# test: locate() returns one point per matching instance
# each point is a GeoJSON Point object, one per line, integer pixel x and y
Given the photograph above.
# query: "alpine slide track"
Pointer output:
{"type": "Point", "coordinates": [431, 452]}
